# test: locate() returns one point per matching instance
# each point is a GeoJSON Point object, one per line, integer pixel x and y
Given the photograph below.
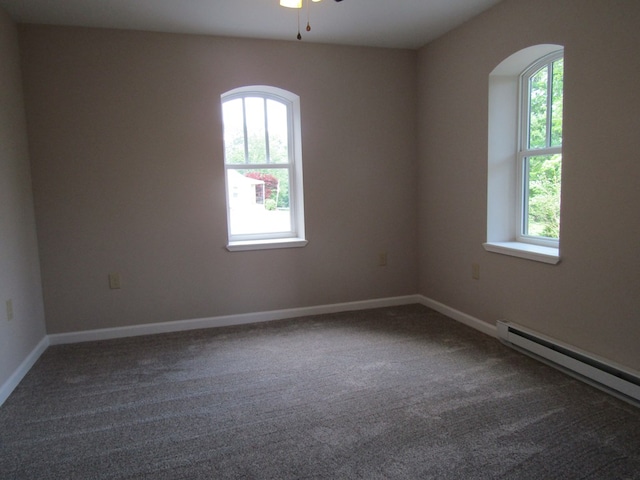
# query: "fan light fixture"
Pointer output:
{"type": "Point", "coordinates": [293, 3]}
{"type": "Point", "coordinates": [298, 4]}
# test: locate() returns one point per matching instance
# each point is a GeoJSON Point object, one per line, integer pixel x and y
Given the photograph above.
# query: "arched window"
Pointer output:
{"type": "Point", "coordinates": [263, 166]}
{"type": "Point", "coordinates": [540, 152]}
{"type": "Point", "coordinates": [525, 154]}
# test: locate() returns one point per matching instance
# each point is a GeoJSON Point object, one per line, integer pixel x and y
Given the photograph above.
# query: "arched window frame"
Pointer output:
{"type": "Point", "coordinates": [525, 150]}
{"type": "Point", "coordinates": [295, 235]}
{"type": "Point", "coordinates": [504, 180]}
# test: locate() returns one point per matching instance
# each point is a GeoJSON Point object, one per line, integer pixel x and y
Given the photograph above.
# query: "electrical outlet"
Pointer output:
{"type": "Point", "coordinates": [114, 281]}
{"type": "Point", "coordinates": [475, 271]}
{"type": "Point", "coordinates": [382, 259]}
{"type": "Point", "coordinates": [9, 305]}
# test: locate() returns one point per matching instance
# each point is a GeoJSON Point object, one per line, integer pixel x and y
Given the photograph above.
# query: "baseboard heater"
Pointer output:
{"type": "Point", "coordinates": [613, 379]}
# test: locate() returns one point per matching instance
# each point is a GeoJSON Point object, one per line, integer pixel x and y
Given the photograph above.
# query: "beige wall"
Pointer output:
{"type": "Point", "coordinates": [126, 143]}
{"type": "Point", "coordinates": [592, 298]}
{"type": "Point", "coordinates": [19, 266]}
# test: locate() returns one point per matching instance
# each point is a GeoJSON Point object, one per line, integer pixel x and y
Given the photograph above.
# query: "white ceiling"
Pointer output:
{"type": "Point", "coordinates": [380, 23]}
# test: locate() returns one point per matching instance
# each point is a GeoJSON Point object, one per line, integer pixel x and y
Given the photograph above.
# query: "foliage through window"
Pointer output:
{"type": "Point", "coordinates": [263, 166]}
{"type": "Point", "coordinates": [540, 153]}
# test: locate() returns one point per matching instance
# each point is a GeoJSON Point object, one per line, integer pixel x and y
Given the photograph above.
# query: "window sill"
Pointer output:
{"type": "Point", "coordinates": [266, 244]}
{"type": "Point", "coordinates": [536, 253]}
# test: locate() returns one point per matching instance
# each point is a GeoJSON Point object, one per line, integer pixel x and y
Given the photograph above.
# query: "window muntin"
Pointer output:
{"type": "Point", "coordinates": [540, 153]}
{"type": "Point", "coordinates": [263, 167]}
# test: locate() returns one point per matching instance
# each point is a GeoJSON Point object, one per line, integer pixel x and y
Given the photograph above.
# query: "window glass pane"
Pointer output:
{"type": "Point", "coordinates": [556, 102]}
{"type": "Point", "coordinates": [538, 108]}
{"type": "Point", "coordinates": [278, 132]}
{"type": "Point", "coordinates": [233, 118]}
{"type": "Point", "coordinates": [258, 201]}
{"type": "Point", "coordinates": [542, 182]}
{"type": "Point", "coordinates": [254, 111]}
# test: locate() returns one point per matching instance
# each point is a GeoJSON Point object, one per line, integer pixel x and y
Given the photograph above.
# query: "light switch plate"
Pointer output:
{"type": "Point", "coordinates": [9, 305]}
{"type": "Point", "coordinates": [114, 281]}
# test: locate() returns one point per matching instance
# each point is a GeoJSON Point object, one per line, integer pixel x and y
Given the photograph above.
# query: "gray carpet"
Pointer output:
{"type": "Point", "coordinates": [391, 393]}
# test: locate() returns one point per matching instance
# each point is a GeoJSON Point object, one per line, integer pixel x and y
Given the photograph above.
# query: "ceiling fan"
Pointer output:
{"type": "Point", "coordinates": [298, 4]}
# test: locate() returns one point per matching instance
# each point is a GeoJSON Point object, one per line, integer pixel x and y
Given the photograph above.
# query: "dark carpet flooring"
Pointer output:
{"type": "Point", "coordinates": [391, 393]}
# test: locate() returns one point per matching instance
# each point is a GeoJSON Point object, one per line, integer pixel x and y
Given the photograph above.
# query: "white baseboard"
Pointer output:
{"type": "Point", "coordinates": [17, 376]}
{"type": "Point", "coordinates": [461, 317]}
{"type": "Point", "coordinates": [224, 321]}
{"type": "Point", "coordinates": [229, 320]}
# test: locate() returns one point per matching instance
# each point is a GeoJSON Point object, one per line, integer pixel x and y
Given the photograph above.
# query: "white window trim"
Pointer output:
{"type": "Point", "coordinates": [241, 246]}
{"type": "Point", "coordinates": [504, 217]}
{"type": "Point", "coordinates": [527, 251]}
{"type": "Point", "coordinates": [296, 237]}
